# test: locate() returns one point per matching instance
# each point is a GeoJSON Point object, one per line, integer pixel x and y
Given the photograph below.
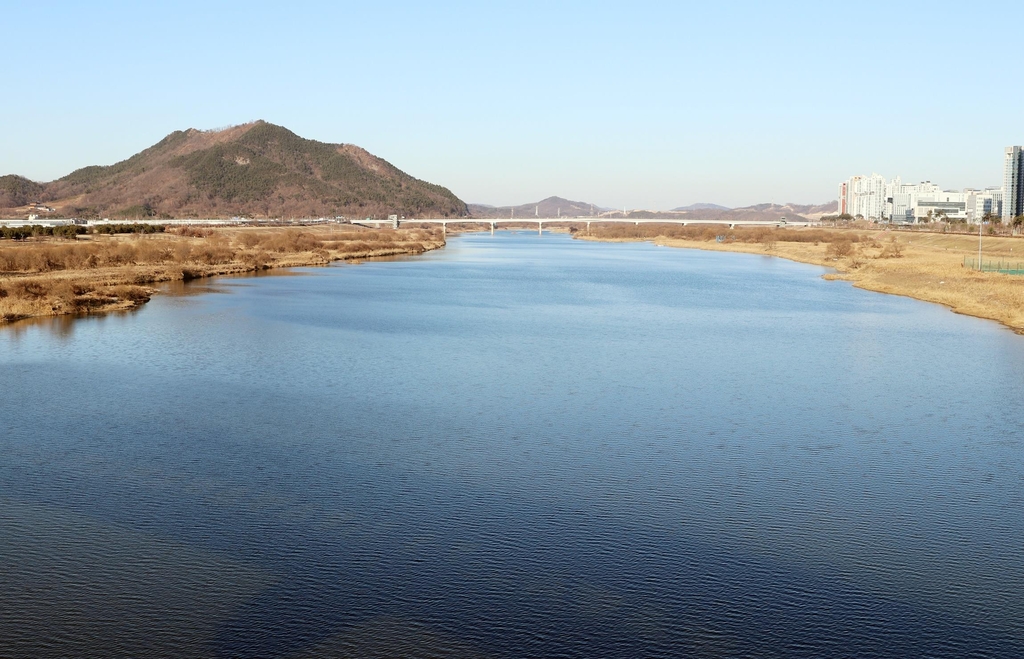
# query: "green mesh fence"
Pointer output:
{"type": "Point", "coordinates": [1006, 267]}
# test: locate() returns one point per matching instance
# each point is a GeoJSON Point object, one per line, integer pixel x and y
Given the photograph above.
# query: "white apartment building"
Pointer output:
{"type": "Point", "coordinates": [863, 196]}
{"type": "Point", "coordinates": [874, 198]}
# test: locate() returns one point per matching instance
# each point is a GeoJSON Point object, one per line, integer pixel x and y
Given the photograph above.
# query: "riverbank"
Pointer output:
{"type": "Point", "coordinates": [924, 266]}
{"type": "Point", "coordinates": [100, 273]}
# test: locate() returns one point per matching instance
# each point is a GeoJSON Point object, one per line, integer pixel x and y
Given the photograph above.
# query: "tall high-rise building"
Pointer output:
{"type": "Point", "coordinates": [1013, 183]}
{"type": "Point", "coordinates": [863, 196]}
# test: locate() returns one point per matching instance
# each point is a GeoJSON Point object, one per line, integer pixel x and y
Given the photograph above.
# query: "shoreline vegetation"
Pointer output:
{"type": "Point", "coordinates": [52, 275]}
{"type": "Point", "coordinates": [920, 265]}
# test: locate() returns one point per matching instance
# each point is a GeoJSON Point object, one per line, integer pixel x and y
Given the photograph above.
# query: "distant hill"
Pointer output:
{"type": "Point", "coordinates": [550, 207]}
{"type": "Point", "coordinates": [770, 212]}
{"type": "Point", "coordinates": [702, 207]}
{"type": "Point", "coordinates": [257, 169]}
{"type": "Point", "coordinates": [799, 209]}
{"type": "Point", "coordinates": [18, 191]}
{"type": "Point", "coordinates": [559, 207]}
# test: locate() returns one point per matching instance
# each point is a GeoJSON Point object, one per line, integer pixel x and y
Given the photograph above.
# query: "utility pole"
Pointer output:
{"type": "Point", "coordinates": [981, 223]}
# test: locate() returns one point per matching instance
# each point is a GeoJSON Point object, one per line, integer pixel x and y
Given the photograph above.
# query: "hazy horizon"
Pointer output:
{"type": "Point", "coordinates": [651, 107]}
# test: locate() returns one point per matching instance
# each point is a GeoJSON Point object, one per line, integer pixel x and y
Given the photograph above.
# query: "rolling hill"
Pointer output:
{"type": "Point", "coordinates": [701, 207]}
{"type": "Point", "coordinates": [256, 169]}
{"type": "Point", "coordinates": [550, 207]}
{"type": "Point", "coordinates": [560, 207]}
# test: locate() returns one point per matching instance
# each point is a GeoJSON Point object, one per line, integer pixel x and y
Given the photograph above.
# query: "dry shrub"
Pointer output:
{"type": "Point", "coordinates": [150, 251]}
{"type": "Point", "coordinates": [64, 296]}
{"type": "Point", "coordinates": [182, 252]}
{"type": "Point", "coordinates": [135, 294]}
{"type": "Point", "coordinates": [191, 232]}
{"type": "Point", "coordinates": [354, 247]}
{"type": "Point", "coordinates": [257, 260]}
{"type": "Point", "coordinates": [759, 234]}
{"type": "Point", "coordinates": [650, 231]}
{"type": "Point", "coordinates": [58, 295]}
{"type": "Point", "coordinates": [893, 250]}
{"type": "Point", "coordinates": [250, 239]}
{"type": "Point", "coordinates": [211, 254]}
{"type": "Point", "coordinates": [386, 236]}
{"type": "Point", "coordinates": [815, 236]}
{"type": "Point", "coordinates": [840, 248]}
{"type": "Point", "coordinates": [291, 241]}
{"type": "Point", "coordinates": [118, 254]}
{"type": "Point", "coordinates": [26, 289]}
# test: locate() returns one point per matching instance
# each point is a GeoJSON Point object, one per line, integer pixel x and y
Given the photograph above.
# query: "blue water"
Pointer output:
{"type": "Point", "coordinates": [518, 446]}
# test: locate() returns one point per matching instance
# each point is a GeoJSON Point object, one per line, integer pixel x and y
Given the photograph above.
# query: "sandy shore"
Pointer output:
{"type": "Point", "coordinates": [98, 274]}
{"type": "Point", "coordinates": [929, 266]}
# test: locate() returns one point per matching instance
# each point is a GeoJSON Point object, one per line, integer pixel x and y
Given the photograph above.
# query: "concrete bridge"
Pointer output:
{"type": "Point", "coordinates": [394, 222]}
{"type": "Point", "coordinates": [540, 221]}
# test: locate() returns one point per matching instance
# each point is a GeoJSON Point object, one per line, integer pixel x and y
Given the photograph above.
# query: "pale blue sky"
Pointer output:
{"type": "Point", "coordinates": [639, 104]}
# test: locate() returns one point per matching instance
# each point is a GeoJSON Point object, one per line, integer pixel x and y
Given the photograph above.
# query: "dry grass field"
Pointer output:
{"type": "Point", "coordinates": [97, 273]}
{"type": "Point", "coordinates": [925, 266]}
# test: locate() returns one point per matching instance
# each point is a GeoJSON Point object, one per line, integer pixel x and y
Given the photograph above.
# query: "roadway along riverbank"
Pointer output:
{"type": "Point", "coordinates": [924, 266]}
{"type": "Point", "coordinates": [101, 273]}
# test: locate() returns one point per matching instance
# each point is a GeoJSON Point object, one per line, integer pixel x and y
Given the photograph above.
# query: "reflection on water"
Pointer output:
{"type": "Point", "coordinates": [61, 327]}
{"type": "Point", "coordinates": [517, 446]}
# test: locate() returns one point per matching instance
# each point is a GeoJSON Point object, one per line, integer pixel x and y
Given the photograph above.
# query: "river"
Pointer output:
{"type": "Point", "coordinates": [517, 446]}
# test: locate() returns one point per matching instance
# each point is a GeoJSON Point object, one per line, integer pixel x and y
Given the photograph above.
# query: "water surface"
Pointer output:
{"type": "Point", "coordinates": [516, 446]}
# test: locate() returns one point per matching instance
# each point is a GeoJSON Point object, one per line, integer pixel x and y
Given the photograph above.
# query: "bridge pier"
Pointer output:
{"type": "Point", "coordinates": [444, 228]}
{"type": "Point", "coordinates": [540, 228]}
{"type": "Point", "coordinates": [588, 226]}
{"type": "Point", "coordinates": [492, 228]}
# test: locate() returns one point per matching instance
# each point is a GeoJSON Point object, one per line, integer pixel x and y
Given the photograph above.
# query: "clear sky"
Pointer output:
{"type": "Point", "coordinates": [638, 104]}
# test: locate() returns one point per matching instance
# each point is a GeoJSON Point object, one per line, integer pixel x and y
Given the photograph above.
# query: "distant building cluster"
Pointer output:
{"type": "Point", "coordinates": [891, 200]}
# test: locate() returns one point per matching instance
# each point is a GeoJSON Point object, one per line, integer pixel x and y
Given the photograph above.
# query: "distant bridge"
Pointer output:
{"type": "Point", "coordinates": [541, 221]}
{"type": "Point", "coordinates": [392, 221]}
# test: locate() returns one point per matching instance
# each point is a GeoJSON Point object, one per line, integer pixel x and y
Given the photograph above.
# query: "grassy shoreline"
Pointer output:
{"type": "Point", "coordinates": [923, 266]}
{"type": "Point", "coordinates": [99, 274]}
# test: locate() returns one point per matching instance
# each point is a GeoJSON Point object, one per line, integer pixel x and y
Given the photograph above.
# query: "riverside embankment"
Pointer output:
{"type": "Point", "coordinates": [924, 266]}
{"type": "Point", "coordinates": [99, 273]}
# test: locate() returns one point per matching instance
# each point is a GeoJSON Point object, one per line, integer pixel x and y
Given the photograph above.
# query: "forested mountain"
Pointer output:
{"type": "Point", "coordinates": [18, 191]}
{"type": "Point", "coordinates": [257, 169]}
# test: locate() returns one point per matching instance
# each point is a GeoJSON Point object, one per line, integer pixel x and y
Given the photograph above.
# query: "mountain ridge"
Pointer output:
{"type": "Point", "coordinates": [549, 207]}
{"type": "Point", "coordinates": [257, 169]}
{"type": "Point", "coordinates": [554, 207]}
{"type": "Point", "coordinates": [702, 207]}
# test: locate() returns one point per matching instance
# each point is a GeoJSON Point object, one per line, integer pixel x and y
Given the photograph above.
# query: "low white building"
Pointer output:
{"type": "Point", "coordinates": [906, 197]}
{"type": "Point", "coordinates": [982, 203]}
